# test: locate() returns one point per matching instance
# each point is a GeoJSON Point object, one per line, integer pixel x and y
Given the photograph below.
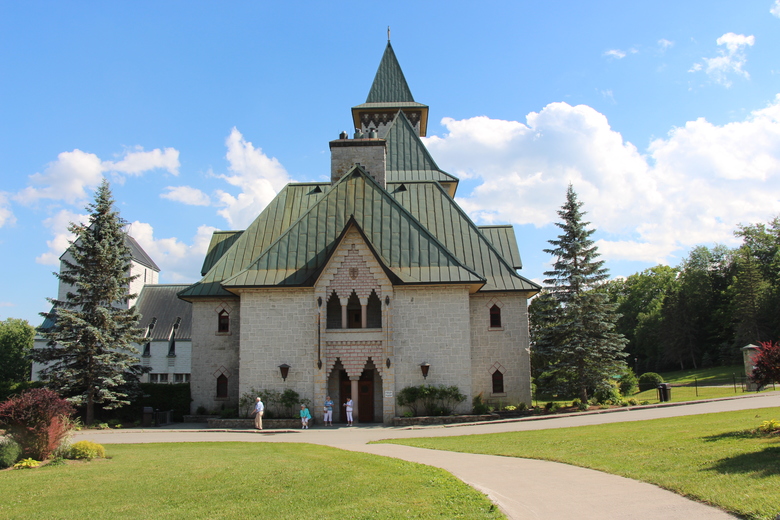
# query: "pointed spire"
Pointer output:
{"type": "Point", "coordinates": [389, 83]}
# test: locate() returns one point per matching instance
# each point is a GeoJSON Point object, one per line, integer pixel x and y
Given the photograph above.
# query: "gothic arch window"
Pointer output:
{"type": "Point", "coordinates": [495, 317]}
{"type": "Point", "coordinates": [374, 312]}
{"type": "Point", "coordinates": [498, 382]}
{"type": "Point", "coordinates": [333, 310]}
{"type": "Point", "coordinates": [354, 312]}
{"type": "Point", "coordinates": [222, 387]}
{"type": "Point", "coordinates": [223, 321]}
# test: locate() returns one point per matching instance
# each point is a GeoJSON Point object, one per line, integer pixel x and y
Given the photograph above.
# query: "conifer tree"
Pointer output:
{"type": "Point", "coordinates": [89, 357]}
{"type": "Point", "coordinates": [580, 339]}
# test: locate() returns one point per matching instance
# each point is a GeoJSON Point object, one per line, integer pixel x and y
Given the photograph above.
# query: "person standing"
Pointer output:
{"type": "Point", "coordinates": [328, 420]}
{"type": "Point", "coordinates": [348, 406]}
{"type": "Point", "coordinates": [305, 416]}
{"type": "Point", "coordinates": [259, 409]}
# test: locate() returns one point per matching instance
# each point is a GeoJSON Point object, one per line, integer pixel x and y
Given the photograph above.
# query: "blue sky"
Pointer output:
{"type": "Point", "coordinates": [664, 115]}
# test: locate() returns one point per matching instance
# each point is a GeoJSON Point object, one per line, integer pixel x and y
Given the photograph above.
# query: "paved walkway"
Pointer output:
{"type": "Point", "coordinates": [522, 488]}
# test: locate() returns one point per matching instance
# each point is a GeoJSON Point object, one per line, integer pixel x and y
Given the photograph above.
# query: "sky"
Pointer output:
{"type": "Point", "coordinates": [664, 116]}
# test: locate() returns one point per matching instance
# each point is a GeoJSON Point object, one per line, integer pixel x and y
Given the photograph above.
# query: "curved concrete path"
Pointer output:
{"type": "Point", "coordinates": [522, 488]}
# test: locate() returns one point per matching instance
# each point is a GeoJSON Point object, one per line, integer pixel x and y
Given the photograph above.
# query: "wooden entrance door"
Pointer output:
{"type": "Point", "coordinates": [366, 401]}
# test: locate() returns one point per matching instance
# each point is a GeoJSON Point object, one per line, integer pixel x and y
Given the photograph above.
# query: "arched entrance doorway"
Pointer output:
{"type": "Point", "coordinates": [369, 393]}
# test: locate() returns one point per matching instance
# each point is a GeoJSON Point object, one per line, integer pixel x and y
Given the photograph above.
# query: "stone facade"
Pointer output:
{"type": "Point", "coordinates": [504, 349]}
{"type": "Point", "coordinates": [214, 354]}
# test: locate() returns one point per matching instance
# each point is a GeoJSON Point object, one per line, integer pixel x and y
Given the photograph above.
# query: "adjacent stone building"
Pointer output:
{"type": "Point", "coordinates": [358, 286]}
{"type": "Point", "coordinates": [166, 320]}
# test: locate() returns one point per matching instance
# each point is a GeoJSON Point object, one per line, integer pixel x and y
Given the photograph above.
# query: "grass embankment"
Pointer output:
{"type": "Point", "coordinates": [239, 480]}
{"type": "Point", "coordinates": [712, 458]}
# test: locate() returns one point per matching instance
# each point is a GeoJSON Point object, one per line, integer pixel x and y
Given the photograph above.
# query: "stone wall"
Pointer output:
{"type": "Point", "coordinates": [214, 353]}
{"type": "Point", "coordinates": [279, 326]}
{"type": "Point", "coordinates": [431, 325]}
{"type": "Point", "coordinates": [502, 348]}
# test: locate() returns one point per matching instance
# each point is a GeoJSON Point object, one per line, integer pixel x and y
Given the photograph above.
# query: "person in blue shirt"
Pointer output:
{"type": "Point", "coordinates": [328, 420]}
{"type": "Point", "coordinates": [305, 416]}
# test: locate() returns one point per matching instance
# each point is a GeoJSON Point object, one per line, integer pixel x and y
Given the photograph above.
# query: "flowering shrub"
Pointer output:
{"type": "Point", "coordinates": [766, 364]}
{"type": "Point", "coordinates": [38, 420]}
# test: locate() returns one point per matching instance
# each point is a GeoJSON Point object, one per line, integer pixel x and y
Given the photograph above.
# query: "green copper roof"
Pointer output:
{"type": "Point", "coordinates": [504, 240]}
{"type": "Point", "coordinates": [444, 218]}
{"type": "Point", "coordinates": [407, 157]}
{"type": "Point", "coordinates": [284, 209]}
{"type": "Point", "coordinates": [405, 247]}
{"type": "Point", "coordinates": [389, 83]}
{"type": "Point", "coordinates": [221, 241]}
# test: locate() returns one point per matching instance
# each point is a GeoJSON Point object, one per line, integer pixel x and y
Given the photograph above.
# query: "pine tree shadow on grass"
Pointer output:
{"type": "Point", "coordinates": [743, 434]}
{"type": "Point", "coordinates": [764, 463]}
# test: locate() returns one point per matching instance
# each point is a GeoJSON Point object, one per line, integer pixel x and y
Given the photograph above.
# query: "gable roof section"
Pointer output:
{"type": "Point", "coordinates": [161, 302]}
{"type": "Point", "coordinates": [138, 254]}
{"type": "Point", "coordinates": [389, 82]}
{"type": "Point", "coordinates": [288, 205]}
{"type": "Point", "coordinates": [407, 157]}
{"type": "Point", "coordinates": [443, 217]}
{"type": "Point", "coordinates": [503, 238]}
{"type": "Point", "coordinates": [221, 241]}
{"type": "Point", "coordinates": [401, 243]}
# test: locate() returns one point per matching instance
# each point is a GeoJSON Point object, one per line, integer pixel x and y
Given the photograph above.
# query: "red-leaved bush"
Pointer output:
{"type": "Point", "coordinates": [766, 364]}
{"type": "Point", "coordinates": [38, 420]}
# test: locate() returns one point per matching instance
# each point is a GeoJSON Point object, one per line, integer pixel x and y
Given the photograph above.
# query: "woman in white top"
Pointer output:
{"type": "Point", "coordinates": [348, 405]}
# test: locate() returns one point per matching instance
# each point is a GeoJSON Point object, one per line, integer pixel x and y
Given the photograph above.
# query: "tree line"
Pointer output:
{"type": "Point", "coordinates": [703, 311]}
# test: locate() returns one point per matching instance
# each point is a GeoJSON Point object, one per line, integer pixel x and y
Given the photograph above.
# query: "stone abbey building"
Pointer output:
{"type": "Point", "coordinates": [358, 286]}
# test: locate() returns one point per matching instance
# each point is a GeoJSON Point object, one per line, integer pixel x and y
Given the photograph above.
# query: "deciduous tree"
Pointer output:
{"type": "Point", "coordinates": [16, 341]}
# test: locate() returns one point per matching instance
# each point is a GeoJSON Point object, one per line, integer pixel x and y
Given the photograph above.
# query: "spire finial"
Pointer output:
{"type": "Point", "coordinates": [388, 34]}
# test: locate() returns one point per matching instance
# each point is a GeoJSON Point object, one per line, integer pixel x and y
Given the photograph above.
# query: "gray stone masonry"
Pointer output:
{"type": "Point", "coordinates": [371, 154]}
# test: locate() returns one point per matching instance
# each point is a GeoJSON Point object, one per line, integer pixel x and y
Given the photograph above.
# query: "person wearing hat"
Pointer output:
{"type": "Point", "coordinates": [305, 416]}
{"type": "Point", "coordinates": [259, 408]}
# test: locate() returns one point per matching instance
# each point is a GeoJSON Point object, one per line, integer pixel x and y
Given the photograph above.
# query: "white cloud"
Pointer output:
{"type": "Point", "coordinates": [730, 60]}
{"type": "Point", "coordinates": [692, 187]}
{"type": "Point", "coordinates": [186, 195]}
{"type": "Point", "coordinates": [58, 226]}
{"type": "Point", "coordinates": [68, 178]}
{"type": "Point", "coordinates": [137, 162]}
{"type": "Point", "coordinates": [615, 53]}
{"type": "Point", "coordinates": [664, 44]}
{"type": "Point", "coordinates": [178, 262]}
{"type": "Point", "coordinates": [6, 215]}
{"type": "Point", "coordinates": [775, 9]}
{"type": "Point", "coordinates": [258, 176]}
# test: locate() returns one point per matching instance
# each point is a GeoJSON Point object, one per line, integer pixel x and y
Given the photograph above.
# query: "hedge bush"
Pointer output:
{"type": "Point", "coordinates": [649, 381]}
{"type": "Point", "coordinates": [9, 453]}
{"type": "Point", "coordinates": [174, 397]}
{"type": "Point", "coordinates": [431, 400]}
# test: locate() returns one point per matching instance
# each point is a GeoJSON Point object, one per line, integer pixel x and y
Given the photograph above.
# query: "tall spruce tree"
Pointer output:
{"type": "Point", "coordinates": [579, 337]}
{"type": "Point", "coordinates": [89, 357]}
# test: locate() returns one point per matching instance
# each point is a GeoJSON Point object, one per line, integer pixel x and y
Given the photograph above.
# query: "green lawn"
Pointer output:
{"type": "Point", "coordinates": [719, 375]}
{"type": "Point", "coordinates": [239, 480]}
{"type": "Point", "coordinates": [712, 458]}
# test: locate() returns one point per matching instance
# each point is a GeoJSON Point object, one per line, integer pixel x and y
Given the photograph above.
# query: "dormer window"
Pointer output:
{"type": "Point", "coordinates": [223, 321]}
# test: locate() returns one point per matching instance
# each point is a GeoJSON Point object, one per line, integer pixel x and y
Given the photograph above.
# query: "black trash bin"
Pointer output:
{"type": "Point", "coordinates": [148, 415]}
{"type": "Point", "coordinates": [665, 392]}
